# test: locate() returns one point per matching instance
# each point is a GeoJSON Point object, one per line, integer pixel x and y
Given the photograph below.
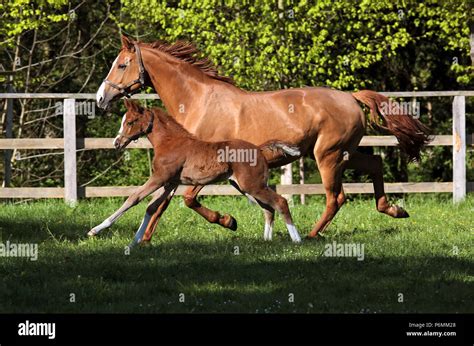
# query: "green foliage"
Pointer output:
{"type": "Point", "coordinates": [20, 16]}
{"type": "Point", "coordinates": [304, 43]}
{"type": "Point", "coordinates": [378, 44]}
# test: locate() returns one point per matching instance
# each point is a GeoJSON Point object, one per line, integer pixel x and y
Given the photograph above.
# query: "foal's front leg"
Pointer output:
{"type": "Point", "coordinates": [158, 200]}
{"type": "Point", "coordinates": [151, 185]}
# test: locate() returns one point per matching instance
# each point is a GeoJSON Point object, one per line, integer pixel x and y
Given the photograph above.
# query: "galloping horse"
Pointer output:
{"type": "Point", "coordinates": [324, 124]}
{"type": "Point", "coordinates": [181, 158]}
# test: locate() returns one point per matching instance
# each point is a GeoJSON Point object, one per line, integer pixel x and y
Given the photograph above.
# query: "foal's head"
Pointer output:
{"type": "Point", "coordinates": [136, 122]}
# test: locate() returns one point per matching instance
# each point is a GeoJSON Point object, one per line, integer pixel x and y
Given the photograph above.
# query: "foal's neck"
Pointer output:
{"type": "Point", "coordinates": [166, 129]}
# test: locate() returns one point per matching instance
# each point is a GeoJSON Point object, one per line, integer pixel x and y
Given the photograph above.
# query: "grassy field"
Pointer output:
{"type": "Point", "coordinates": [427, 260]}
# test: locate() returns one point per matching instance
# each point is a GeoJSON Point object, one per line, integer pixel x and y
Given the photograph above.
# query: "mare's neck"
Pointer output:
{"type": "Point", "coordinates": [178, 84]}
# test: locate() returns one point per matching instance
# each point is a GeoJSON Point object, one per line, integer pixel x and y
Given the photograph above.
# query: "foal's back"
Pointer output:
{"type": "Point", "coordinates": [205, 162]}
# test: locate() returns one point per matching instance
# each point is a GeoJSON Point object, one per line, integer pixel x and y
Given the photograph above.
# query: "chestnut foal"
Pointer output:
{"type": "Point", "coordinates": [181, 158]}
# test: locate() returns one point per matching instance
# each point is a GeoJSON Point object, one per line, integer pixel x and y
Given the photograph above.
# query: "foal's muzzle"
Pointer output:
{"type": "Point", "coordinates": [120, 142]}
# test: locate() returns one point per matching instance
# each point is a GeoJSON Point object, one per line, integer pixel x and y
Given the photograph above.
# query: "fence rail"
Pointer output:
{"type": "Point", "coordinates": [70, 144]}
{"type": "Point", "coordinates": [142, 143]}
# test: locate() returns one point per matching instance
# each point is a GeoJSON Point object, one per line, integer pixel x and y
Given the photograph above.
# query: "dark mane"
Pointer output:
{"type": "Point", "coordinates": [188, 52]}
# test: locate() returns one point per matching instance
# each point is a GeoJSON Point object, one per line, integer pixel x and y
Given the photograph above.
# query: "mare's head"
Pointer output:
{"type": "Point", "coordinates": [136, 122]}
{"type": "Point", "coordinates": [126, 77]}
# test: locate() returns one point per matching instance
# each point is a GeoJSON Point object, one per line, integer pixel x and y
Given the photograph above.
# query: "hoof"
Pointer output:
{"type": "Point", "coordinates": [145, 243]}
{"type": "Point", "coordinates": [313, 236]}
{"type": "Point", "coordinates": [400, 213]}
{"type": "Point", "coordinates": [229, 222]}
{"type": "Point", "coordinates": [91, 234]}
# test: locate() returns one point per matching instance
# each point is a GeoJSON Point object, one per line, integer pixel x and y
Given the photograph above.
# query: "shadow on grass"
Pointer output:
{"type": "Point", "coordinates": [211, 278]}
{"type": "Point", "coordinates": [34, 230]}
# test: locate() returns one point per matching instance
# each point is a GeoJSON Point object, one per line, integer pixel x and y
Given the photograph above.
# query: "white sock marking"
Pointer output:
{"type": "Point", "coordinates": [106, 223]}
{"type": "Point", "coordinates": [295, 236]}
{"type": "Point", "coordinates": [141, 230]}
{"type": "Point", "coordinates": [267, 234]}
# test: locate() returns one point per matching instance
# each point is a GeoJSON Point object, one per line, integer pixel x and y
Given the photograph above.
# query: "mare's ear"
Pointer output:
{"type": "Point", "coordinates": [127, 43]}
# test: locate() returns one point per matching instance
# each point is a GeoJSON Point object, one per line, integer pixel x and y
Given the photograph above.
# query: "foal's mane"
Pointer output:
{"type": "Point", "coordinates": [188, 52]}
{"type": "Point", "coordinates": [170, 123]}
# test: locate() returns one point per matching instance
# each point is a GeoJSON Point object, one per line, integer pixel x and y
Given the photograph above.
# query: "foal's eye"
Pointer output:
{"type": "Point", "coordinates": [122, 66]}
{"type": "Point", "coordinates": [130, 123]}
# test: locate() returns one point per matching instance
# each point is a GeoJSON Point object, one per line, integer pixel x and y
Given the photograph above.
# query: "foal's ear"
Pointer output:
{"type": "Point", "coordinates": [133, 105]}
{"type": "Point", "coordinates": [127, 43]}
{"type": "Point", "coordinates": [128, 103]}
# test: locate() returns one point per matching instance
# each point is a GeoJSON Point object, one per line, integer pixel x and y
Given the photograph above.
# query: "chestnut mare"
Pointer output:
{"type": "Point", "coordinates": [181, 158]}
{"type": "Point", "coordinates": [326, 125]}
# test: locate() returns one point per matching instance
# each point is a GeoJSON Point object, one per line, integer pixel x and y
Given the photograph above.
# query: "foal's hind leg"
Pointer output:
{"type": "Point", "coordinates": [268, 211]}
{"type": "Point", "coordinates": [211, 216]}
{"type": "Point", "coordinates": [372, 165]}
{"type": "Point", "coordinates": [190, 200]}
{"type": "Point", "coordinates": [266, 196]}
{"type": "Point", "coordinates": [269, 220]}
{"type": "Point", "coordinates": [269, 214]}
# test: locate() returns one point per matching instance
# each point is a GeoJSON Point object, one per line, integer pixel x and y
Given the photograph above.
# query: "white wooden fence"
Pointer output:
{"type": "Point", "coordinates": [70, 144]}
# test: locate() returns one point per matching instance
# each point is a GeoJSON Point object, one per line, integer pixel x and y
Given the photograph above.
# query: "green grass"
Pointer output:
{"type": "Point", "coordinates": [412, 256]}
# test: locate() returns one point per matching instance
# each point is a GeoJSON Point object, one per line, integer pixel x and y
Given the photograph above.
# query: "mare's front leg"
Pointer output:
{"type": "Point", "coordinates": [151, 185]}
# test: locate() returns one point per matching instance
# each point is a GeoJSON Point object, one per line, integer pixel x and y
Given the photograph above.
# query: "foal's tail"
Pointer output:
{"type": "Point", "coordinates": [271, 149]}
{"type": "Point", "coordinates": [412, 135]}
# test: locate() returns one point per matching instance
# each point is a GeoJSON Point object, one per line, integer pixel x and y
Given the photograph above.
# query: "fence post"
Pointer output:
{"type": "Point", "coordinates": [70, 175]}
{"type": "Point", "coordinates": [459, 148]}
{"type": "Point", "coordinates": [7, 163]}
{"type": "Point", "coordinates": [287, 179]}
{"type": "Point", "coordinates": [302, 196]}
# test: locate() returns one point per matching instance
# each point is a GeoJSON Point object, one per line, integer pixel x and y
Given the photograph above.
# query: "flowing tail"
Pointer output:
{"type": "Point", "coordinates": [412, 135]}
{"type": "Point", "coordinates": [272, 149]}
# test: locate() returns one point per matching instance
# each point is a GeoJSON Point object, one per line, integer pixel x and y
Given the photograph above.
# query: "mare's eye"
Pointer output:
{"type": "Point", "coordinates": [122, 66]}
{"type": "Point", "coordinates": [130, 123]}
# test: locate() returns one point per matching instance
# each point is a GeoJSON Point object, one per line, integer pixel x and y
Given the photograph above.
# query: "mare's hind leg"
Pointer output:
{"type": "Point", "coordinates": [211, 216]}
{"type": "Point", "coordinates": [372, 165]}
{"type": "Point", "coordinates": [331, 167]}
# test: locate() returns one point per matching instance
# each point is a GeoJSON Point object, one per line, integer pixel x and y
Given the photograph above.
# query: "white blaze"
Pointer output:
{"type": "Point", "coordinates": [100, 93]}
{"type": "Point", "coordinates": [121, 127]}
